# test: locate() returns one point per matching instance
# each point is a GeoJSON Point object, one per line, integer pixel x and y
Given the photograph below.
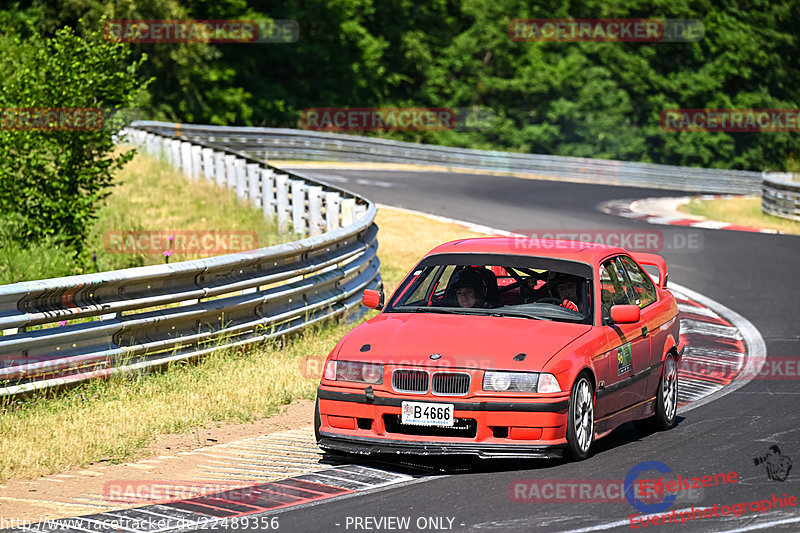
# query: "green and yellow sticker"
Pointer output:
{"type": "Point", "coordinates": [624, 359]}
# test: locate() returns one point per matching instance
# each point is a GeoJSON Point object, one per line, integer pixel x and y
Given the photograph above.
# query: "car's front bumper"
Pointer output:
{"type": "Point", "coordinates": [531, 428]}
{"type": "Point", "coordinates": [366, 446]}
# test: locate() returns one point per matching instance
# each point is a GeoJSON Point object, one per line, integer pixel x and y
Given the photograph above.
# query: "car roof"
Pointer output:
{"type": "Point", "coordinates": [584, 252]}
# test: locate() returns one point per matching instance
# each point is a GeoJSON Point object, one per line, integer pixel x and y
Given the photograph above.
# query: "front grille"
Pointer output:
{"type": "Point", "coordinates": [462, 427]}
{"type": "Point", "coordinates": [410, 381]}
{"type": "Point", "coordinates": [450, 383]}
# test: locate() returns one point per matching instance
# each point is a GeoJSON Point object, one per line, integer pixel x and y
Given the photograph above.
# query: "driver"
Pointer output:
{"type": "Point", "coordinates": [469, 287]}
{"type": "Point", "coordinates": [564, 287]}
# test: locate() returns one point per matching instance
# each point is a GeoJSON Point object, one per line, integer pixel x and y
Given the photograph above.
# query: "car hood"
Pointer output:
{"type": "Point", "coordinates": [463, 341]}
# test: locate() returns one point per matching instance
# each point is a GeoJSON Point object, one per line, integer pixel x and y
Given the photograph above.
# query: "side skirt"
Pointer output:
{"type": "Point", "coordinates": [607, 424]}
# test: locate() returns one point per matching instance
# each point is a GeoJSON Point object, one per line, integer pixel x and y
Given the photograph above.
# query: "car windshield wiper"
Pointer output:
{"type": "Point", "coordinates": [445, 310]}
{"type": "Point", "coordinates": [518, 315]}
{"type": "Point", "coordinates": [471, 311]}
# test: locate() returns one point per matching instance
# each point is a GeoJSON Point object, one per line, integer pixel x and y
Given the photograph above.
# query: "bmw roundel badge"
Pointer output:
{"type": "Point", "coordinates": [436, 356]}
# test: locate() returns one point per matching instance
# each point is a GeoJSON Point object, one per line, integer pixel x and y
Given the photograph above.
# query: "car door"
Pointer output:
{"type": "Point", "coordinates": [646, 298]}
{"type": "Point", "coordinates": [628, 347]}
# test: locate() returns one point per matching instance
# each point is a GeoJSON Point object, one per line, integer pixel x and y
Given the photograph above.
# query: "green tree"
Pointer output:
{"type": "Point", "coordinates": [52, 178]}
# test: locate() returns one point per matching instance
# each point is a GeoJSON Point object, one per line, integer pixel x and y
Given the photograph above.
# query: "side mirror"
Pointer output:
{"type": "Point", "coordinates": [374, 299]}
{"type": "Point", "coordinates": [625, 314]}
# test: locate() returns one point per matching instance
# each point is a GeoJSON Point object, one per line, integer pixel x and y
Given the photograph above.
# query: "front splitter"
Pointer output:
{"type": "Point", "coordinates": [368, 446]}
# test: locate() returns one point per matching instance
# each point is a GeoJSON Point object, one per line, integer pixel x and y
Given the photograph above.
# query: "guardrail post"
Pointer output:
{"type": "Point", "coordinates": [348, 208]}
{"type": "Point", "coordinates": [196, 161]}
{"type": "Point", "coordinates": [219, 168]}
{"type": "Point", "coordinates": [175, 153]}
{"type": "Point", "coordinates": [186, 159]}
{"type": "Point", "coordinates": [298, 206]}
{"type": "Point", "coordinates": [241, 177]}
{"type": "Point", "coordinates": [282, 197]}
{"type": "Point", "coordinates": [332, 201]}
{"type": "Point", "coordinates": [230, 171]}
{"type": "Point", "coordinates": [315, 222]}
{"type": "Point", "coordinates": [252, 183]}
{"type": "Point", "coordinates": [208, 163]}
{"type": "Point", "coordinates": [162, 148]}
{"type": "Point", "coordinates": [149, 141]}
{"type": "Point", "coordinates": [267, 193]}
{"type": "Point", "coordinates": [360, 211]}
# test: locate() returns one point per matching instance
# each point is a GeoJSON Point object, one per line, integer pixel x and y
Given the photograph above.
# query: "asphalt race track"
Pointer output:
{"type": "Point", "coordinates": [754, 274]}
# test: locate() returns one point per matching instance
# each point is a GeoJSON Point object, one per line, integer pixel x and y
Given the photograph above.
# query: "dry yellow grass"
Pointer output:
{"type": "Point", "coordinates": [150, 196]}
{"type": "Point", "coordinates": [404, 238]}
{"type": "Point", "coordinates": [743, 211]}
{"type": "Point", "coordinates": [113, 420]}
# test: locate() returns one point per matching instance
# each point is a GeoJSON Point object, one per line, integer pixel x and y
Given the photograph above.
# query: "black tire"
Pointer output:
{"type": "Point", "coordinates": [580, 420]}
{"type": "Point", "coordinates": [666, 399]}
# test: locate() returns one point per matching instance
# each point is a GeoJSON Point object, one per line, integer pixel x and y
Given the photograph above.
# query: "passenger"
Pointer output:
{"type": "Point", "coordinates": [469, 288]}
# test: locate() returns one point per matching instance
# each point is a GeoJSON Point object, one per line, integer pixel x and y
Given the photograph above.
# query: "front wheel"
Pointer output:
{"type": "Point", "coordinates": [580, 421]}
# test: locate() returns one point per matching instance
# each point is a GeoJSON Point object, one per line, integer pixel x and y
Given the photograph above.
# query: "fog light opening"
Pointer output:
{"type": "Point", "coordinates": [500, 432]}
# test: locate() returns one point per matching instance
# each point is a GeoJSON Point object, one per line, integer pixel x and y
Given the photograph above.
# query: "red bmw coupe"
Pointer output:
{"type": "Point", "coordinates": [506, 347]}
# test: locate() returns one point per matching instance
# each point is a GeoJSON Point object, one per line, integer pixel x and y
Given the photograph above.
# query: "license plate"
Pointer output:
{"type": "Point", "coordinates": [427, 414]}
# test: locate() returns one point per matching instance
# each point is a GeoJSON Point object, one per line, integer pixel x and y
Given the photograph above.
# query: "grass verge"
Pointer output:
{"type": "Point", "coordinates": [744, 211]}
{"type": "Point", "coordinates": [148, 196]}
{"type": "Point", "coordinates": [114, 420]}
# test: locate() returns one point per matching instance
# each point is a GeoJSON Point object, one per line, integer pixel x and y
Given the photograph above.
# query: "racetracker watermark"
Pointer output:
{"type": "Point", "coordinates": [201, 31]}
{"type": "Point", "coordinates": [587, 491]}
{"type": "Point", "coordinates": [126, 491]}
{"type": "Point", "coordinates": [649, 30]}
{"type": "Point", "coordinates": [50, 119]}
{"type": "Point", "coordinates": [141, 522]}
{"type": "Point", "coordinates": [774, 369]}
{"type": "Point", "coordinates": [378, 119]}
{"type": "Point", "coordinates": [741, 120]}
{"type": "Point", "coordinates": [13, 367]}
{"type": "Point", "coordinates": [179, 242]}
{"type": "Point", "coordinates": [313, 366]}
{"type": "Point", "coordinates": [653, 241]}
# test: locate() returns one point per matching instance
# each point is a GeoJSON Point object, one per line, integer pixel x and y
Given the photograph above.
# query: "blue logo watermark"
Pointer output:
{"type": "Point", "coordinates": [638, 504]}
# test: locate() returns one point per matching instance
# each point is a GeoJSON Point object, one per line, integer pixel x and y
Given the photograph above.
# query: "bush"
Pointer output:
{"type": "Point", "coordinates": [51, 180]}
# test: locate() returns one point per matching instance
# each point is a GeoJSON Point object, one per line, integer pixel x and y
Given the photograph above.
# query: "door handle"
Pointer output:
{"type": "Point", "coordinates": [644, 331]}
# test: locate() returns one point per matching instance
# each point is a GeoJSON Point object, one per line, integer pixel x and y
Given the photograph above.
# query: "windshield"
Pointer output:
{"type": "Point", "coordinates": [498, 285]}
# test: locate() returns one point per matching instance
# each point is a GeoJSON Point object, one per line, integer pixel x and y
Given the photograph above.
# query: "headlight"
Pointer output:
{"type": "Point", "coordinates": [353, 371]}
{"type": "Point", "coordinates": [548, 383]}
{"type": "Point", "coordinates": [510, 381]}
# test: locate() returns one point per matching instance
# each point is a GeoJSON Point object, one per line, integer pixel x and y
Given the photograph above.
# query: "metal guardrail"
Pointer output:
{"type": "Point", "coordinates": [780, 195]}
{"type": "Point", "coordinates": [144, 317]}
{"type": "Point", "coordinates": [283, 144]}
